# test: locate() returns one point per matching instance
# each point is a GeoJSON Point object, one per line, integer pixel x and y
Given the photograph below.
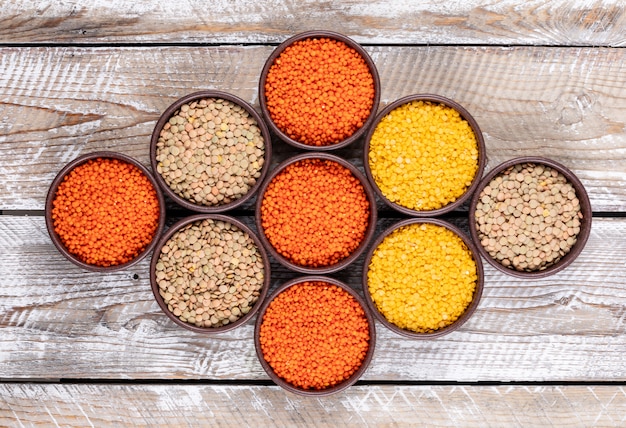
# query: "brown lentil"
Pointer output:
{"type": "Point", "coordinates": [210, 152]}
{"type": "Point", "coordinates": [422, 277]}
{"type": "Point", "coordinates": [423, 155]}
{"type": "Point", "coordinates": [528, 217]}
{"type": "Point", "coordinates": [210, 273]}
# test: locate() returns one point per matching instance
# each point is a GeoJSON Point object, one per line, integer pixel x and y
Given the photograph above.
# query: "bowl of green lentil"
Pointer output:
{"type": "Point", "coordinates": [424, 155]}
{"type": "Point", "coordinates": [314, 336]}
{"type": "Point", "coordinates": [209, 273]}
{"type": "Point", "coordinates": [210, 151]}
{"type": "Point", "coordinates": [530, 217]}
{"type": "Point", "coordinates": [315, 213]}
{"type": "Point", "coordinates": [104, 211]}
{"type": "Point", "coordinates": [319, 90]}
{"type": "Point", "coordinates": [423, 278]}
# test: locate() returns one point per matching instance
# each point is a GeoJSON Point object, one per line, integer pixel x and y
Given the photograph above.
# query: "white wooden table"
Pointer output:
{"type": "Point", "coordinates": [543, 78]}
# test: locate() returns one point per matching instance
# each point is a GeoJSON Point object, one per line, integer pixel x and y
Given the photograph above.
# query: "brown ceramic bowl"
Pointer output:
{"type": "Point", "coordinates": [165, 117]}
{"type": "Point", "coordinates": [52, 195]}
{"type": "Point", "coordinates": [368, 233]}
{"type": "Point", "coordinates": [585, 222]}
{"type": "Point", "coordinates": [156, 257]}
{"type": "Point", "coordinates": [469, 311]}
{"type": "Point", "coordinates": [482, 156]}
{"type": "Point", "coordinates": [339, 386]}
{"type": "Point", "coordinates": [317, 35]}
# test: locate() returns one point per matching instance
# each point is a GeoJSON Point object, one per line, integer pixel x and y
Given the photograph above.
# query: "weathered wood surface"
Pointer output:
{"type": "Point", "coordinates": [568, 104]}
{"type": "Point", "coordinates": [60, 322]}
{"type": "Point", "coordinates": [505, 22]}
{"type": "Point", "coordinates": [360, 406]}
{"type": "Point", "coordinates": [540, 77]}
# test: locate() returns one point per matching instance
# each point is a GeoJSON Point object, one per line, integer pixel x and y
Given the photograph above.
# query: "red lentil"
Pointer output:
{"type": "Point", "coordinates": [315, 212]}
{"type": "Point", "coordinates": [319, 91]}
{"type": "Point", "coordinates": [105, 212]}
{"type": "Point", "coordinates": [314, 335]}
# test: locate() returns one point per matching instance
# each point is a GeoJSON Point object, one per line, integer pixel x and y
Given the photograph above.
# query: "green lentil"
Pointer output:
{"type": "Point", "coordinates": [549, 222]}
{"type": "Point", "coordinates": [204, 284]}
{"type": "Point", "coordinates": [423, 155]}
{"type": "Point", "coordinates": [203, 156]}
{"type": "Point", "coordinates": [422, 277]}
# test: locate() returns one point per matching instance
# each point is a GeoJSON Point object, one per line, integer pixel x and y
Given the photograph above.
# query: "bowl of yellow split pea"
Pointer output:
{"type": "Point", "coordinates": [424, 155]}
{"type": "Point", "coordinates": [423, 278]}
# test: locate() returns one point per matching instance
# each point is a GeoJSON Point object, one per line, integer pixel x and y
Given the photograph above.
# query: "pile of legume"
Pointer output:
{"type": "Point", "coordinates": [210, 152]}
{"type": "Point", "coordinates": [422, 277]}
{"type": "Point", "coordinates": [319, 91]}
{"type": "Point", "coordinates": [528, 217]}
{"type": "Point", "coordinates": [423, 155]}
{"type": "Point", "coordinates": [105, 212]}
{"type": "Point", "coordinates": [314, 335]}
{"type": "Point", "coordinates": [315, 212]}
{"type": "Point", "coordinates": [210, 273]}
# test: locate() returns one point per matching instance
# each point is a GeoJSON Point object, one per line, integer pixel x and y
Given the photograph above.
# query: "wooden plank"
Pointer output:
{"type": "Point", "coordinates": [60, 322]}
{"type": "Point", "coordinates": [568, 104]}
{"type": "Point", "coordinates": [503, 22]}
{"type": "Point", "coordinates": [360, 405]}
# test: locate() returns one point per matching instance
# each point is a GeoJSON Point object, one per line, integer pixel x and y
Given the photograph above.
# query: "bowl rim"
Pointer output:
{"type": "Point", "coordinates": [198, 218]}
{"type": "Point", "coordinates": [369, 232]}
{"type": "Point", "coordinates": [340, 386]}
{"type": "Point", "coordinates": [165, 117]}
{"type": "Point", "coordinates": [471, 308]}
{"type": "Point", "coordinates": [51, 196]}
{"type": "Point", "coordinates": [311, 35]}
{"type": "Point", "coordinates": [480, 141]}
{"type": "Point", "coordinates": [585, 207]}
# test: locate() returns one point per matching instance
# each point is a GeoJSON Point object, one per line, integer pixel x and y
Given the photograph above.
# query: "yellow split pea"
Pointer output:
{"type": "Point", "coordinates": [422, 277]}
{"type": "Point", "coordinates": [423, 155]}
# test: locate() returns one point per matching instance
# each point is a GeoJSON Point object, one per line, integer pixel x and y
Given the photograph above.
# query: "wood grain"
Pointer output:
{"type": "Point", "coordinates": [541, 77]}
{"type": "Point", "coordinates": [60, 322]}
{"type": "Point", "coordinates": [568, 104]}
{"type": "Point", "coordinates": [362, 406]}
{"type": "Point", "coordinates": [502, 22]}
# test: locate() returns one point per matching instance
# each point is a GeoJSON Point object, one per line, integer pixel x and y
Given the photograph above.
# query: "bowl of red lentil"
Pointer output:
{"type": "Point", "coordinates": [530, 217]}
{"type": "Point", "coordinates": [104, 211]}
{"type": "Point", "coordinates": [423, 278]}
{"type": "Point", "coordinates": [314, 336]}
{"type": "Point", "coordinates": [424, 155]}
{"type": "Point", "coordinates": [209, 273]}
{"type": "Point", "coordinates": [210, 151]}
{"type": "Point", "coordinates": [315, 213]}
{"type": "Point", "coordinates": [319, 90]}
